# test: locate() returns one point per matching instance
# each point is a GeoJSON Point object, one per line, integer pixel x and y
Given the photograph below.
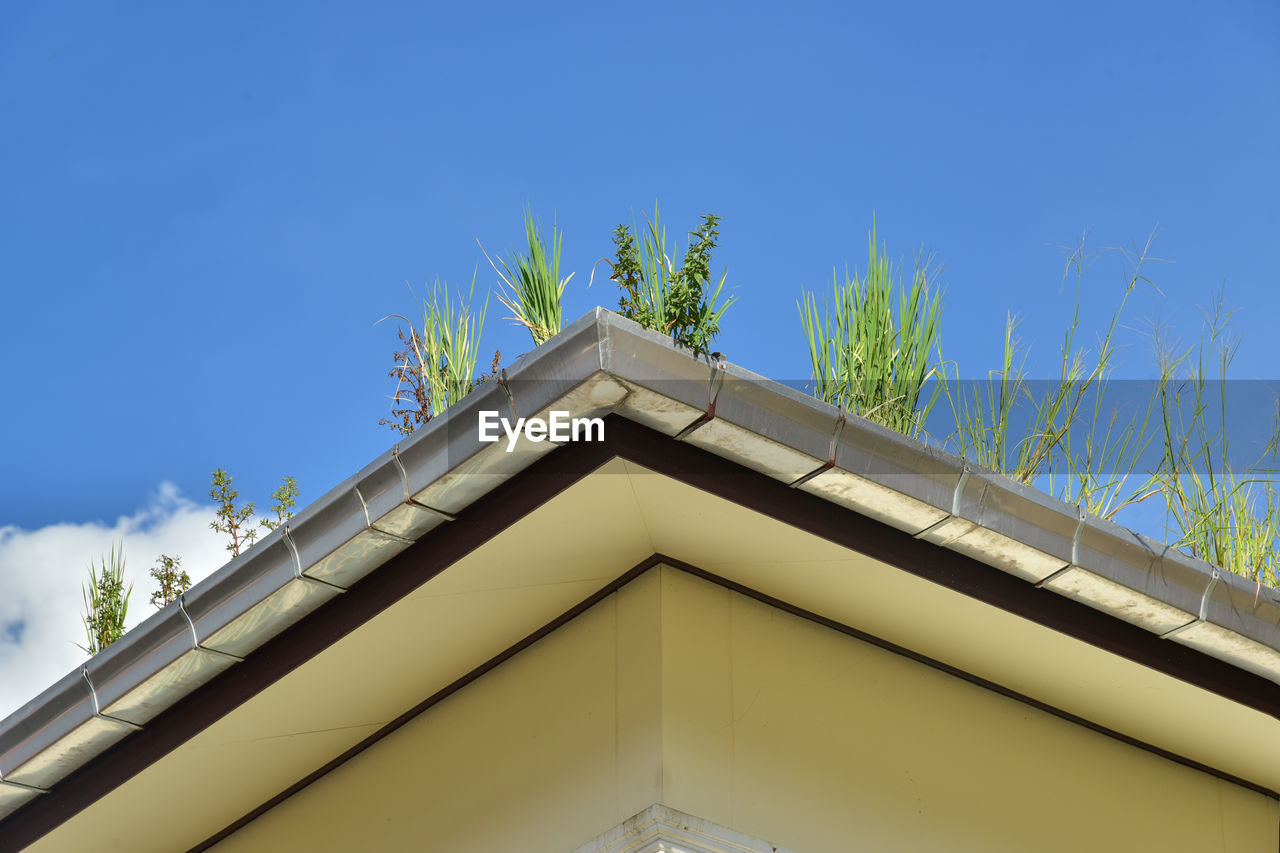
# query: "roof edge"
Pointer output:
{"type": "Point", "coordinates": [603, 364]}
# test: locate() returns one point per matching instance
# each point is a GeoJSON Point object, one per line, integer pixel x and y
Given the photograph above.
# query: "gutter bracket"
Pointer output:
{"type": "Point", "coordinates": [404, 479]}
{"type": "Point", "coordinates": [23, 787]}
{"type": "Point", "coordinates": [1204, 608]}
{"type": "Point", "coordinates": [506, 388]}
{"type": "Point", "coordinates": [714, 384]}
{"type": "Point", "coordinates": [447, 516]}
{"type": "Point", "coordinates": [1075, 549]}
{"type": "Point", "coordinates": [368, 523]}
{"type": "Point", "coordinates": [955, 503]}
{"type": "Point", "coordinates": [297, 562]}
{"type": "Point", "coordinates": [831, 452]}
{"type": "Point", "coordinates": [195, 640]}
{"type": "Point", "coordinates": [97, 712]}
{"type": "Point", "coordinates": [364, 505]}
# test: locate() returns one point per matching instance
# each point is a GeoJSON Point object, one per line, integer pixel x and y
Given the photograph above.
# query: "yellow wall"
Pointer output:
{"type": "Point", "coordinates": [678, 691]}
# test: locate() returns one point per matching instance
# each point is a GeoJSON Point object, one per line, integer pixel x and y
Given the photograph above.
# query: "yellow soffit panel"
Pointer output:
{"type": "Point", "coordinates": [752, 719]}
{"type": "Point", "coordinates": [763, 554]}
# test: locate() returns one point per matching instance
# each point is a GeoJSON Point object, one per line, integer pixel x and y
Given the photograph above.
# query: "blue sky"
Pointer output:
{"type": "Point", "coordinates": [208, 207]}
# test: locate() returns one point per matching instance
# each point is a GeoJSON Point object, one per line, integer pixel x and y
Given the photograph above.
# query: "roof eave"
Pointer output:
{"type": "Point", "coordinates": [600, 364]}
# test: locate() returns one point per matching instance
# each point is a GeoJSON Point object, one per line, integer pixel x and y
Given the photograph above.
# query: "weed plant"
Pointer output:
{"type": "Point", "coordinates": [677, 301]}
{"type": "Point", "coordinates": [532, 288]}
{"type": "Point", "coordinates": [106, 602]}
{"type": "Point", "coordinates": [436, 366]}
{"type": "Point", "coordinates": [875, 348]}
{"type": "Point", "coordinates": [1222, 515]}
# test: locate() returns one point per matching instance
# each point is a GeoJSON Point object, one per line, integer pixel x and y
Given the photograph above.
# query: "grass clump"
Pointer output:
{"type": "Point", "coordinates": [1224, 516]}
{"type": "Point", "coordinates": [106, 602]}
{"type": "Point", "coordinates": [532, 288]}
{"type": "Point", "coordinates": [436, 366]}
{"type": "Point", "coordinates": [875, 348]}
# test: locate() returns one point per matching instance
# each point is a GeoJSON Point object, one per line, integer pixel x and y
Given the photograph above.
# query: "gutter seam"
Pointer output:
{"type": "Point", "coordinates": [23, 787]}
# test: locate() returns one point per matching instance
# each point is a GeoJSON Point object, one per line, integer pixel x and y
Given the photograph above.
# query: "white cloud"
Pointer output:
{"type": "Point", "coordinates": [42, 571]}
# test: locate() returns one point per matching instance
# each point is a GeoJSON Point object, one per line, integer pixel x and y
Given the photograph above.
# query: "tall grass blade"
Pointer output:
{"type": "Point", "coordinates": [875, 347]}
{"type": "Point", "coordinates": [106, 602]}
{"type": "Point", "coordinates": [531, 285]}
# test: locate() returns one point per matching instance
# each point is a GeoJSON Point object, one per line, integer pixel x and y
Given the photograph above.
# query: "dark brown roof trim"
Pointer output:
{"type": "Point", "coordinates": [548, 477]}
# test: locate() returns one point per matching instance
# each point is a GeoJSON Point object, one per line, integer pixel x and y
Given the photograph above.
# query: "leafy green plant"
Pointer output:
{"type": "Point", "coordinates": [236, 521]}
{"type": "Point", "coordinates": [876, 348]}
{"type": "Point", "coordinates": [656, 294]}
{"type": "Point", "coordinates": [532, 287]}
{"type": "Point", "coordinates": [232, 520]}
{"type": "Point", "coordinates": [106, 602]}
{"type": "Point", "coordinates": [436, 367]}
{"type": "Point", "coordinates": [286, 499]}
{"type": "Point", "coordinates": [171, 580]}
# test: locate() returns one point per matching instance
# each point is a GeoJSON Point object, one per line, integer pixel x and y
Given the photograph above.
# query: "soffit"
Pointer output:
{"type": "Point", "coordinates": [538, 568]}
{"type": "Point", "coordinates": [567, 550]}
{"type": "Point", "coordinates": [761, 553]}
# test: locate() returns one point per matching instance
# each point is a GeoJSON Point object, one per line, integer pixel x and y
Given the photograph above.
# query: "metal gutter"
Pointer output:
{"type": "Point", "coordinates": [602, 364]}
{"type": "Point", "coordinates": [941, 498]}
